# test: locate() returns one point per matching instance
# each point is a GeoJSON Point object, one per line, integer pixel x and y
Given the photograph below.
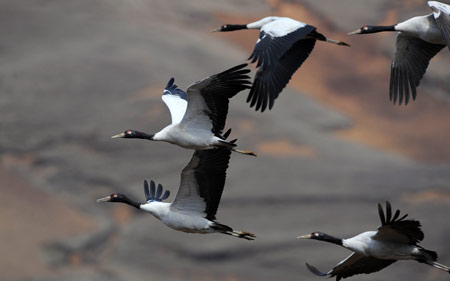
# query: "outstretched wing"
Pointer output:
{"type": "Point", "coordinates": [175, 100]}
{"type": "Point", "coordinates": [208, 99]}
{"type": "Point", "coordinates": [352, 265]}
{"type": "Point", "coordinates": [411, 59]}
{"type": "Point", "coordinates": [202, 182]}
{"type": "Point", "coordinates": [442, 16]}
{"type": "Point", "coordinates": [278, 56]}
{"type": "Point", "coordinates": [397, 229]}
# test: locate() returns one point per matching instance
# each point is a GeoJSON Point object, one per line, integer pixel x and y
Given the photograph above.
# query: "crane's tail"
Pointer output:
{"type": "Point", "coordinates": [246, 152]}
{"type": "Point", "coordinates": [430, 257]}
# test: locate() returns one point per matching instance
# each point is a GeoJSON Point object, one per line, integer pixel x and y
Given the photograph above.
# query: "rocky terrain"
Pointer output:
{"type": "Point", "coordinates": [74, 73]}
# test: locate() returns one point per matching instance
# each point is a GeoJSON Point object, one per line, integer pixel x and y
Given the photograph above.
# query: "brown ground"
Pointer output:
{"type": "Point", "coordinates": [41, 218]}
{"type": "Point", "coordinates": [73, 73]}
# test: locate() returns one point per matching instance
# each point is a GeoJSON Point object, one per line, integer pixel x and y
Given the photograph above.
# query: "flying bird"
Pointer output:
{"type": "Point", "coordinates": [418, 40]}
{"type": "Point", "coordinates": [283, 45]}
{"type": "Point", "coordinates": [194, 208]}
{"type": "Point", "coordinates": [396, 239]}
{"type": "Point", "coordinates": [198, 116]}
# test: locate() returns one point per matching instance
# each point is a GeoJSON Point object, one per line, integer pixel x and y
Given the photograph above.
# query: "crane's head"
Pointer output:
{"type": "Point", "coordinates": [322, 237]}
{"type": "Point", "coordinates": [230, 27]}
{"type": "Point", "coordinates": [115, 197]}
{"type": "Point", "coordinates": [366, 29]}
{"type": "Point", "coordinates": [120, 198]}
{"type": "Point", "coordinates": [132, 134]}
{"type": "Point", "coordinates": [363, 30]}
{"type": "Point", "coordinates": [315, 235]}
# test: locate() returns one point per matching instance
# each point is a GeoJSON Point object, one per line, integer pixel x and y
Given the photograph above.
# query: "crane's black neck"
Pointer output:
{"type": "Point", "coordinates": [120, 198]}
{"type": "Point", "coordinates": [139, 135]}
{"type": "Point", "coordinates": [374, 29]}
{"type": "Point", "coordinates": [327, 238]}
{"type": "Point", "coordinates": [232, 27]}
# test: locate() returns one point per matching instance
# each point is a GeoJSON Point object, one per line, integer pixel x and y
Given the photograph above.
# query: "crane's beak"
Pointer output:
{"type": "Point", "coordinates": [307, 236]}
{"type": "Point", "coordinates": [217, 29]}
{"type": "Point", "coordinates": [104, 199]}
{"type": "Point", "coordinates": [121, 135]}
{"type": "Point", "coordinates": [358, 31]}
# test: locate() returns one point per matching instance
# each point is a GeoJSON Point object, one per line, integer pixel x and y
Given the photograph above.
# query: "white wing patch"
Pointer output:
{"type": "Point", "coordinates": [440, 6]}
{"type": "Point", "coordinates": [176, 105]}
{"type": "Point", "coordinates": [282, 27]}
{"type": "Point", "coordinates": [261, 22]}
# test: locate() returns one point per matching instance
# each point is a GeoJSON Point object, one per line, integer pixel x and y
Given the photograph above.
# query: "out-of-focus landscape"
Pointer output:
{"type": "Point", "coordinates": [74, 73]}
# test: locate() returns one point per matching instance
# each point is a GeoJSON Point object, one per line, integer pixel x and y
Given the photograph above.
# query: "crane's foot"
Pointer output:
{"type": "Point", "coordinates": [246, 152]}
{"type": "Point", "coordinates": [243, 234]}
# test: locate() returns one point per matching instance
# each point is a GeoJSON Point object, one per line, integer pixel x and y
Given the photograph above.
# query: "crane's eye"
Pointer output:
{"type": "Point", "coordinates": [129, 132]}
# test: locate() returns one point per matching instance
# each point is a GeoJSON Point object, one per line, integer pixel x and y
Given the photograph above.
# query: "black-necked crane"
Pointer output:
{"type": "Point", "coordinates": [198, 116]}
{"type": "Point", "coordinates": [283, 45]}
{"type": "Point", "coordinates": [194, 208]}
{"type": "Point", "coordinates": [418, 41]}
{"type": "Point", "coordinates": [396, 239]}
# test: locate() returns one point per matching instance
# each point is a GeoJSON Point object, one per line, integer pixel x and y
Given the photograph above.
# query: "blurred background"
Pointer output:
{"type": "Point", "coordinates": [74, 73]}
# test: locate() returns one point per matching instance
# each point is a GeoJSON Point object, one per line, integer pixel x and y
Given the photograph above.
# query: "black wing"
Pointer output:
{"type": "Point", "coordinates": [210, 175]}
{"type": "Point", "coordinates": [210, 96]}
{"type": "Point", "coordinates": [397, 229]}
{"type": "Point", "coordinates": [202, 182]}
{"type": "Point", "coordinates": [278, 59]}
{"type": "Point", "coordinates": [411, 59]}
{"type": "Point", "coordinates": [352, 265]}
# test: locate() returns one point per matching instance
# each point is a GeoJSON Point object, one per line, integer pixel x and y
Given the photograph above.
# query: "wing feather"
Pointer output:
{"type": "Point", "coordinates": [352, 265]}
{"type": "Point", "coordinates": [188, 198]}
{"type": "Point", "coordinates": [210, 175]}
{"type": "Point", "coordinates": [277, 60]}
{"type": "Point", "coordinates": [202, 182]}
{"type": "Point", "coordinates": [411, 59]}
{"type": "Point", "coordinates": [442, 18]}
{"type": "Point", "coordinates": [398, 229]}
{"type": "Point", "coordinates": [208, 98]}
